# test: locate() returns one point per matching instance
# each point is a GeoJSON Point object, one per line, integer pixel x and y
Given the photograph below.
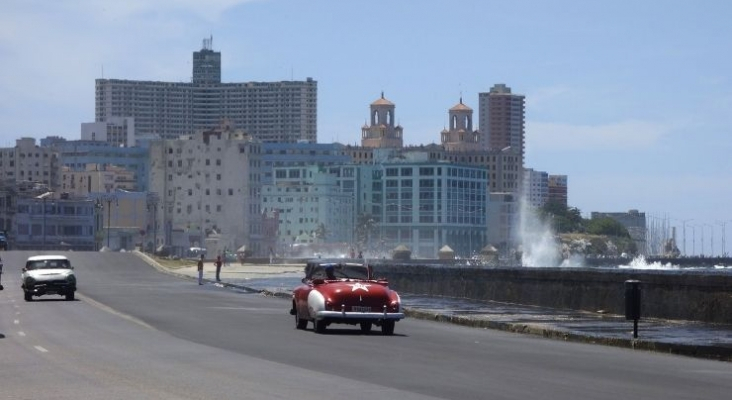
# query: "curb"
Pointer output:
{"type": "Point", "coordinates": [718, 353]}
{"type": "Point", "coordinates": [164, 270]}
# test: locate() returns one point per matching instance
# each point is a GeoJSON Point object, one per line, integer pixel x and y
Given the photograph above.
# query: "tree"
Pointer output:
{"type": "Point", "coordinates": [321, 232]}
{"type": "Point", "coordinates": [606, 226]}
{"type": "Point", "coordinates": [563, 218]}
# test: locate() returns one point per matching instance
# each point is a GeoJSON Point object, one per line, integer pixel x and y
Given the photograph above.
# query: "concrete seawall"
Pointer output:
{"type": "Point", "coordinates": [684, 295]}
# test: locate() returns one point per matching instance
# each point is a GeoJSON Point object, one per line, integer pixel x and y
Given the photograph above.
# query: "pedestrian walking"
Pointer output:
{"type": "Point", "coordinates": [200, 270]}
{"type": "Point", "coordinates": [218, 268]}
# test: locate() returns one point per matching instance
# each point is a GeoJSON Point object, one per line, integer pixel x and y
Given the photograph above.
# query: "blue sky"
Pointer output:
{"type": "Point", "coordinates": [631, 99]}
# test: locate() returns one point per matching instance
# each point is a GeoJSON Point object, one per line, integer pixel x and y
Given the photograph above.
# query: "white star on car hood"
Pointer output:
{"type": "Point", "coordinates": [360, 286]}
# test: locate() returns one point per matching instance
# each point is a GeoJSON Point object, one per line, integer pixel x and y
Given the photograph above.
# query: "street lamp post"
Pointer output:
{"type": "Point", "coordinates": [43, 197]}
{"type": "Point", "coordinates": [152, 205]}
{"type": "Point", "coordinates": [109, 199]}
{"type": "Point", "coordinates": [684, 232]}
{"type": "Point", "coordinates": [44, 223]}
{"type": "Point", "coordinates": [724, 236]}
{"type": "Point", "coordinates": [98, 209]}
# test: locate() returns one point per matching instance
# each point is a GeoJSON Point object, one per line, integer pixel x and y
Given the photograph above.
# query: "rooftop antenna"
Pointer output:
{"type": "Point", "coordinates": [208, 43]}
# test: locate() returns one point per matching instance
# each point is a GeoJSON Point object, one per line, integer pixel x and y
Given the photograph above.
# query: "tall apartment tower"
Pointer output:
{"type": "Point", "coordinates": [383, 131]}
{"type": "Point", "coordinates": [501, 119]}
{"type": "Point", "coordinates": [280, 112]}
{"type": "Point", "coordinates": [207, 64]}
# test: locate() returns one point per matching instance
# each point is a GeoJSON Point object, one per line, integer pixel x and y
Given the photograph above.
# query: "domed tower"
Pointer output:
{"type": "Point", "coordinates": [460, 136]}
{"type": "Point", "coordinates": [382, 132]}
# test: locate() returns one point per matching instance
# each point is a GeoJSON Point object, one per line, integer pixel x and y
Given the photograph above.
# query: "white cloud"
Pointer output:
{"type": "Point", "coordinates": [549, 95]}
{"type": "Point", "coordinates": [620, 135]}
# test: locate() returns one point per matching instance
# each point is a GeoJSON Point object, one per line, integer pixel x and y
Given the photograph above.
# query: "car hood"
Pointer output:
{"type": "Point", "coordinates": [41, 274]}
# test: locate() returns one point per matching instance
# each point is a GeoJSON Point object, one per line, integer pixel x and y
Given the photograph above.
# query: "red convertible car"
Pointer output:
{"type": "Point", "coordinates": [344, 292]}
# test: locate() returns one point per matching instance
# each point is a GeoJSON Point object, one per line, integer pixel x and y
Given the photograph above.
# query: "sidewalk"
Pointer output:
{"type": "Point", "coordinates": [676, 337]}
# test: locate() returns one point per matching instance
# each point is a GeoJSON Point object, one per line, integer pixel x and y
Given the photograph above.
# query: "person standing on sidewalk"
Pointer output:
{"type": "Point", "coordinates": [218, 268]}
{"type": "Point", "coordinates": [200, 270]}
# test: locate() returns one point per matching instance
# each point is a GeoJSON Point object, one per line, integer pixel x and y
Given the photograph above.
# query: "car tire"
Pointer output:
{"type": "Point", "coordinates": [319, 326]}
{"type": "Point", "coordinates": [28, 296]}
{"type": "Point", "coordinates": [387, 327]}
{"type": "Point", "coordinates": [366, 327]}
{"type": "Point", "coordinates": [70, 296]}
{"type": "Point", "coordinates": [299, 322]}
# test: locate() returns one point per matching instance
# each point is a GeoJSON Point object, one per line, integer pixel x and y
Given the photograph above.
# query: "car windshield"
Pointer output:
{"type": "Point", "coordinates": [340, 271]}
{"type": "Point", "coordinates": [48, 264]}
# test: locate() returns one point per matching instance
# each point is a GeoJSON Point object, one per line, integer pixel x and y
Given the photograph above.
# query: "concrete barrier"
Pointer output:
{"type": "Point", "coordinates": [685, 295]}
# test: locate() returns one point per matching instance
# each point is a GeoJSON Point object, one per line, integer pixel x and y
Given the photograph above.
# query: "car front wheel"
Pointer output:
{"type": "Point", "coordinates": [28, 296]}
{"type": "Point", "coordinates": [69, 296]}
{"type": "Point", "coordinates": [319, 326]}
{"type": "Point", "coordinates": [387, 327]}
{"type": "Point", "coordinates": [299, 322]}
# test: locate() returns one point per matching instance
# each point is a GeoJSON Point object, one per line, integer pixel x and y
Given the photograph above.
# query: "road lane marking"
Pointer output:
{"type": "Point", "coordinates": [111, 310]}
{"type": "Point", "coordinates": [16, 322]}
{"type": "Point", "coordinates": [21, 333]}
{"type": "Point", "coordinates": [41, 349]}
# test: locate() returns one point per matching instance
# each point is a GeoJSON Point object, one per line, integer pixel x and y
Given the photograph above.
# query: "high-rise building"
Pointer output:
{"type": "Point", "coordinates": [501, 116]}
{"type": "Point", "coordinates": [536, 187]}
{"type": "Point", "coordinates": [207, 64]}
{"type": "Point", "coordinates": [283, 111]}
{"type": "Point", "coordinates": [557, 185]}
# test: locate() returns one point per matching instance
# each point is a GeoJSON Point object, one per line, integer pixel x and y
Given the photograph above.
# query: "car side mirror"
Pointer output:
{"type": "Point", "coordinates": [25, 269]}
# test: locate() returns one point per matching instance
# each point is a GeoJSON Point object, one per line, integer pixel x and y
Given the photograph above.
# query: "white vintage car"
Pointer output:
{"type": "Point", "coordinates": [48, 274]}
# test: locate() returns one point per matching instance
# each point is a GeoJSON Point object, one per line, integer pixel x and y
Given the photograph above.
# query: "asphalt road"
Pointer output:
{"type": "Point", "coordinates": [134, 332]}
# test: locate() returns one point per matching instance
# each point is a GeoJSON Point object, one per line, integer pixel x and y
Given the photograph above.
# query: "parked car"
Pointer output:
{"type": "Point", "coordinates": [343, 292]}
{"type": "Point", "coordinates": [48, 274]}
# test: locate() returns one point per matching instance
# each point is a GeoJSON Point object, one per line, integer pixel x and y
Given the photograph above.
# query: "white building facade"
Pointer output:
{"type": "Point", "coordinates": [208, 186]}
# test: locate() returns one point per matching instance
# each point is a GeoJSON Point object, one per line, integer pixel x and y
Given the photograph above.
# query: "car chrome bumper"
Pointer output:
{"type": "Point", "coordinates": [357, 315]}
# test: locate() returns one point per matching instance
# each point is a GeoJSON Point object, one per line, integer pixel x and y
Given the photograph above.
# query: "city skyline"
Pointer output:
{"type": "Point", "coordinates": [630, 101]}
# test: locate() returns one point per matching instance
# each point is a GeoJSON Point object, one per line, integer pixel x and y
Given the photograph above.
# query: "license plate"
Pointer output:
{"type": "Point", "coordinates": [360, 309]}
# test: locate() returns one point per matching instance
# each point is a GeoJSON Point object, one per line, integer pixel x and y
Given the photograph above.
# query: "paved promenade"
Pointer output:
{"type": "Point", "coordinates": [676, 337]}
